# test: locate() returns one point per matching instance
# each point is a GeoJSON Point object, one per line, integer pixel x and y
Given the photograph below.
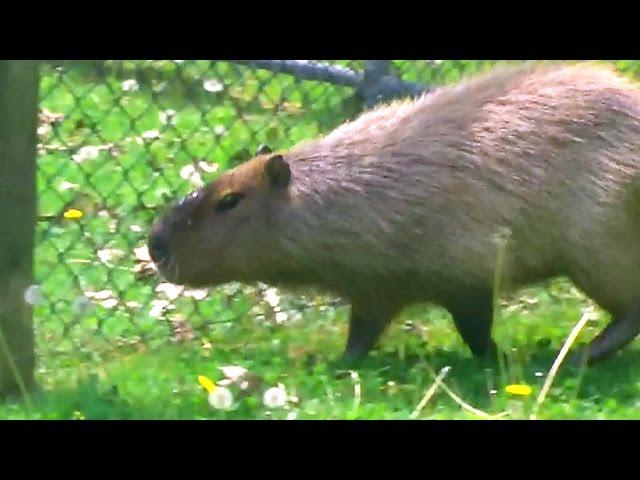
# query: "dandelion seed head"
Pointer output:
{"type": "Point", "coordinates": [34, 295]}
{"type": "Point", "coordinates": [221, 398]}
{"type": "Point", "coordinates": [275, 397]}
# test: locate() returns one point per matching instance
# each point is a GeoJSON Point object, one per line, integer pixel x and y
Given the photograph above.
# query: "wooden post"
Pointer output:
{"type": "Point", "coordinates": [19, 87]}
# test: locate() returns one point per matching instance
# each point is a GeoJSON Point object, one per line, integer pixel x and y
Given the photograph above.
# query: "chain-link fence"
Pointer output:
{"type": "Point", "coordinates": [118, 140]}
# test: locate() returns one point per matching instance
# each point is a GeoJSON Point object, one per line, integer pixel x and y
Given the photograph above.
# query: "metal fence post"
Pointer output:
{"type": "Point", "coordinates": [375, 84]}
{"type": "Point", "coordinates": [380, 84]}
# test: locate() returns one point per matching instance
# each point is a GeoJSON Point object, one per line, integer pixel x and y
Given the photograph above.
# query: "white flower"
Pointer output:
{"type": "Point", "coordinates": [219, 130]}
{"type": "Point", "coordinates": [221, 398]}
{"type": "Point", "coordinates": [233, 372]}
{"type": "Point", "coordinates": [141, 253]}
{"type": "Point", "coordinates": [151, 134]}
{"type": "Point", "coordinates": [64, 185]}
{"type": "Point", "coordinates": [275, 397]}
{"type": "Point", "coordinates": [88, 152]}
{"type": "Point", "coordinates": [213, 85]}
{"type": "Point", "coordinates": [44, 130]}
{"type": "Point", "coordinates": [101, 295]}
{"type": "Point", "coordinates": [107, 255]}
{"type": "Point", "coordinates": [109, 303]}
{"type": "Point", "coordinates": [168, 117]}
{"type": "Point", "coordinates": [281, 317]}
{"type": "Point", "coordinates": [272, 297]}
{"type": "Point", "coordinates": [208, 167]}
{"type": "Point", "coordinates": [198, 294]}
{"type": "Point", "coordinates": [170, 290]}
{"type": "Point", "coordinates": [158, 307]}
{"type": "Point", "coordinates": [33, 295]}
{"type": "Point", "coordinates": [130, 85]}
{"type": "Point", "coordinates": [190, 173]}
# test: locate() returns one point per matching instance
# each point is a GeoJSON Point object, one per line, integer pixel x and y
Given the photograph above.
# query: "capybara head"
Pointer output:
{"type": "Point", "coordinates": [217, 234]}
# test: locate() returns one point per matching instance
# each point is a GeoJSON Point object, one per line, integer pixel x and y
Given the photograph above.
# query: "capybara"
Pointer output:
{"type": "Point", "coordinates": [403, 204]}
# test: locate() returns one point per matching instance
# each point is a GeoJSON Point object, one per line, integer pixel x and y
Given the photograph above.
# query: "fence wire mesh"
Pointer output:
{"type": "Point", "coordinates": [118, 140]}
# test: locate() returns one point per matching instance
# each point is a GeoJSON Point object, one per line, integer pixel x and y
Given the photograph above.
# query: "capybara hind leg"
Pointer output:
{"type": "Point", "coordinates": [473, 316]}
{"type": "Point", "coordinates": [367, 323]}
{"type": "Point", "coordinates": [620, 331]}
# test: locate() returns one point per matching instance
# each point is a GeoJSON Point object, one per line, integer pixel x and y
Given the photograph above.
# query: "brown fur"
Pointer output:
{"type": "Point", "coordinates": [403, 204]}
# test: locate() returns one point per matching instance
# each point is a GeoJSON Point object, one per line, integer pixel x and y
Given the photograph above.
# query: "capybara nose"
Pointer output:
{"type": "Point", "coordinates": [158, 247]}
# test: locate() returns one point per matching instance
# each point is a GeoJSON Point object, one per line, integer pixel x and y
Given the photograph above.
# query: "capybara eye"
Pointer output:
{"type": "Point", "coordinates": [229, 202]}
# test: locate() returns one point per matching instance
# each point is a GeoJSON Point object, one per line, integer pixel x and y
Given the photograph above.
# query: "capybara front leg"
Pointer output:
{"type": "Point", "coordinates": [367, 323]}
{"type": "Point", "coordinates": [472, 314]}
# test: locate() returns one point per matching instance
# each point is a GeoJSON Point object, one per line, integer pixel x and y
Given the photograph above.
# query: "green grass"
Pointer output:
{"type": "Point", "coordinates": [118, 154]}
{"type": "Point", "coordinates": [161, 383]}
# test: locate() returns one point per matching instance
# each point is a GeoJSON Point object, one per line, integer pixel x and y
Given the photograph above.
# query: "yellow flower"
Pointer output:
{"type": "Point", "coordinates": [208, 385]}
{"type": "Point", "coordinates": [73, 214]}
{"type": "Point", "coordinates": [519, 389]}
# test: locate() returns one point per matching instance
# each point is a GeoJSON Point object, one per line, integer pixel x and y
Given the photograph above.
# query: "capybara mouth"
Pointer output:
{"type": "Point", "coordinates": [161, 254]}
{"type": "Point", "coordinates": [165, 263]}
{"type": "Point", "coordinates": [167, 268]}
{"type": "Point", "coordinates": [170, 270]}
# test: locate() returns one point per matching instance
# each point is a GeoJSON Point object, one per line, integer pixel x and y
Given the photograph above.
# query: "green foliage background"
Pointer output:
{"type": "Point", "coordinates": [117, 139]}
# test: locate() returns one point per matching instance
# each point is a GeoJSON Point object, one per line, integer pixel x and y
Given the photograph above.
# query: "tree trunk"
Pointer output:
{"type": "Point", "coordinates": [19, 86]}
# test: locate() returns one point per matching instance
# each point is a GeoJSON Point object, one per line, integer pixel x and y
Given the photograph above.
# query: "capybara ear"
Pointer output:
{"type": "Point", "coordinates": [263, 150]}
{"type": "Point", "coordinates": [278, 172]}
